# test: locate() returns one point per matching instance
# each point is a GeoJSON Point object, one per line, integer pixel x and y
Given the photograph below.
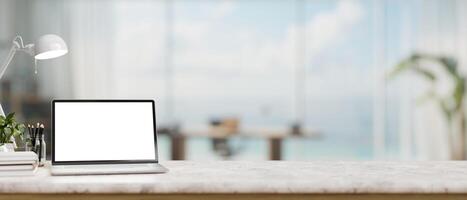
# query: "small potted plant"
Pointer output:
{"type": "Point", "coordinates": [9, 129]}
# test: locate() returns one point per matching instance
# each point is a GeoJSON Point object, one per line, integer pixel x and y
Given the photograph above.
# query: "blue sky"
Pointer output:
{"type": "Point", "coordinates": [243, 53]}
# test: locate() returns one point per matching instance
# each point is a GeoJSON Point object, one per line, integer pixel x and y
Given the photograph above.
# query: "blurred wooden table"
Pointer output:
{"type": "Point", "coordinates": [275, 140]}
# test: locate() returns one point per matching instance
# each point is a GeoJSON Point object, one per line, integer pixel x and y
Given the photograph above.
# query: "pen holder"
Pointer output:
{"type": "Point", "coordinates": [36, 133]}
{"type": "Point", "coordinates": [40, 149]}
{"type": "Point", "coordinates": [28, 146]}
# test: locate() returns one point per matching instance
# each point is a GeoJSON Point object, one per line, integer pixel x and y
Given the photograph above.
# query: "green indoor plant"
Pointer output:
{"type": "Point", "coordinates": [9, 130]}
{"type": "Point", "coordinates": [452, 104]}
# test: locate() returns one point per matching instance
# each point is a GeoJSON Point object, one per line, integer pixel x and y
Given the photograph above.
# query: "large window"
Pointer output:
{"type": "Point", "coordinates": [268, 63]}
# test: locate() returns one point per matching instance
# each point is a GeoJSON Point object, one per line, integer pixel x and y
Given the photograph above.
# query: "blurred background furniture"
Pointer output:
{"type": "Point", "coordinates": [221, 136]}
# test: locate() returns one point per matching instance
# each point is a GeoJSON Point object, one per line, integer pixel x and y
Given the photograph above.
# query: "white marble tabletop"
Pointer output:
{"type": "Point", "coordinates": [260, 177]}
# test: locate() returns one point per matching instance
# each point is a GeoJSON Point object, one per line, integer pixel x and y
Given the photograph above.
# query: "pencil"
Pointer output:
{"type": "Point", "coordinates": [36, 130]}
{"type": "Point", "coordinates": [33, 134]}
{"type": "Point", "coordinates": [41, 131]}
{"type": "Point", "coordinates": [29, 131]}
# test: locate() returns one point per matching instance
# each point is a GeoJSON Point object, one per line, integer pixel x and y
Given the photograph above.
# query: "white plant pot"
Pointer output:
{"type": "Point", "coordinates": [7, 147]}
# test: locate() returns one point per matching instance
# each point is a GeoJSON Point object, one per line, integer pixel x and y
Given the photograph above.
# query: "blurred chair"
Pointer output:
{"type": "Point", "coordinates": [220, 130]}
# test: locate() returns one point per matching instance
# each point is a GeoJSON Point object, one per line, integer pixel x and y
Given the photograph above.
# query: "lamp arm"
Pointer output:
{"type": "Point", "coordinates": [17, 45]}
{"type": "Point", "coordinates": [5, 64]}
{"type": "Point", "coordinates": [10, 56]}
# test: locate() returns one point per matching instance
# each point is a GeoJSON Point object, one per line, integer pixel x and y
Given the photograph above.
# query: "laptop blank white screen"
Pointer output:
{"type": "Point", "coordinates": [104, 131]}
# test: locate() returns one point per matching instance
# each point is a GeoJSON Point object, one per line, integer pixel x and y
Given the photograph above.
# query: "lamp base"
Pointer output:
{"type": "Point", "coordinates": [1, 111]}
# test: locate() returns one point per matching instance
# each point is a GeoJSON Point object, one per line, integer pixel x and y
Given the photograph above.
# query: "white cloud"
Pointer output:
{"type": "Point", "coordinates": [247, 59]}
{"type": "Point", "coordinates": [328, 28]}
{"type": "Point", "coordinates": [223, 9]}
{"type": "Point", "coordinates": [206, 44]}
{"type": "Point", "coordinates": [249, 52]}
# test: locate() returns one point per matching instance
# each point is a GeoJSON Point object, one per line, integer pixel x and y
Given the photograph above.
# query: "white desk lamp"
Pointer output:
{"type": "Point", "coordinates": [46, 47]}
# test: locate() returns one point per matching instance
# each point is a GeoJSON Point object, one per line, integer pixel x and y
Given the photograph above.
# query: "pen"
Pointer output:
{"type": "Point", "coordinates": [36, 132]}
{"type": "Point", "coordinates": [33, 137]}
{"type": "Point", "coordinates": [41, 131]}
{"type": "Point", "coordinates": [30, 135]}
{"type": "Point", "coordinates": [29, 131]}
{"type": "Point", "coordinates": [36, 135]}
{"type": "Point", "coordinates": [37, 129]}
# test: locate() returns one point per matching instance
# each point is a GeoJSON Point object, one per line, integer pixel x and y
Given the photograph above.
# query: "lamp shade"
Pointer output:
{"type": "Point", "coordinates": [49, 46]}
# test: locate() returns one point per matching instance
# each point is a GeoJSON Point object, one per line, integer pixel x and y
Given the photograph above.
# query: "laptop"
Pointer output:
{"type": "Point", "coordinates": [104, 137]}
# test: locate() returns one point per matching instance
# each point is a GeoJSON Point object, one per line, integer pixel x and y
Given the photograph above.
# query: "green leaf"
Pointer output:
{"type": "Point", "coordinates": [447, 112]}
{"type": "Point", "coordinates": [10, 116]}
{"type": "Point", "coordinates": [450, 64]}
{"type": "Point", "coordinates": [411, 63]}
{"type": "Point", "coordinates": [459, 92]}
{"type": "Point", "coordinates": [401, 67]}
{"type": "Point", "coordinates": [427, 74]}
{"type": "Point", "coordinates": [10, 128]}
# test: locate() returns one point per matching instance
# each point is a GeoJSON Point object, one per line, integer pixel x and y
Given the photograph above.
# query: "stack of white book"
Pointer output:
{"type": "Point", "coordinates": [18, 163]}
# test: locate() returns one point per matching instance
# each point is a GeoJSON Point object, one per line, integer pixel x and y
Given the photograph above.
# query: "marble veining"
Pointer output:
{"type": "Point", "coordinates": [260, 177]}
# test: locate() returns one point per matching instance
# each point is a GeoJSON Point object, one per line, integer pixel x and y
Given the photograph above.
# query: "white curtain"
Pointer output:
{"type": "Point", "coordinates": [90, 25]}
